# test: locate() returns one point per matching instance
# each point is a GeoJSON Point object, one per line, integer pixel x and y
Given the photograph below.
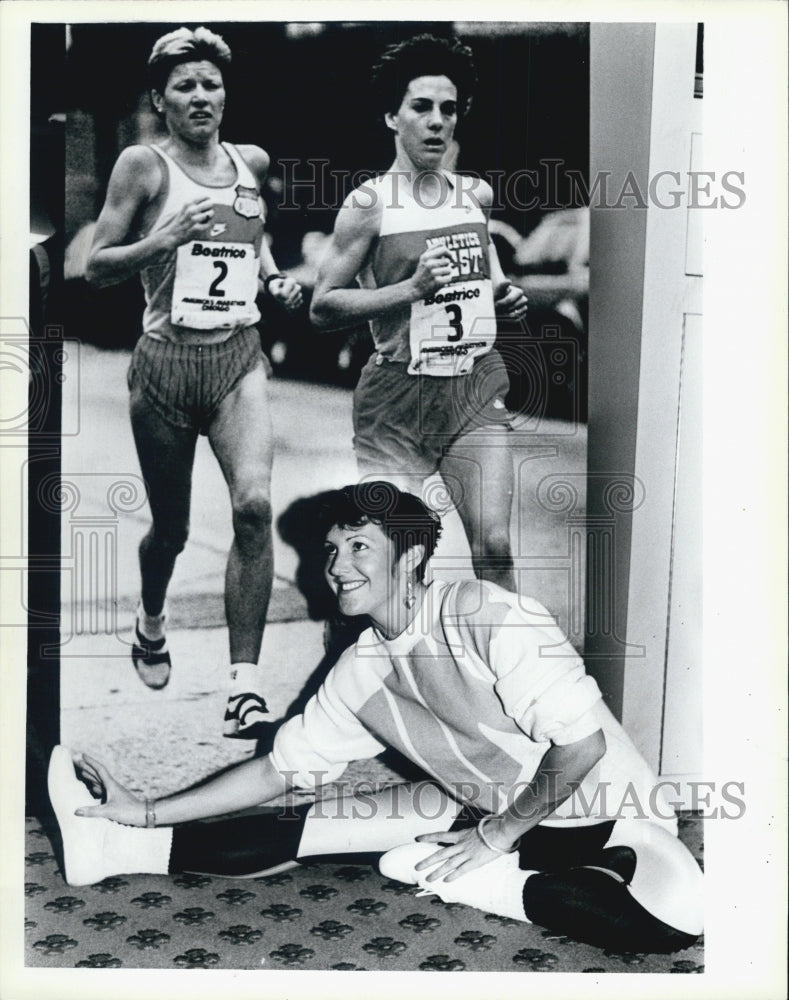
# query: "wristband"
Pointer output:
{"type": "Point", "coordinates": [487, 843]}
{"type": "Point", "coordinates": [150, 813]}
{"type": "Point", "coordinates": [277, 276]}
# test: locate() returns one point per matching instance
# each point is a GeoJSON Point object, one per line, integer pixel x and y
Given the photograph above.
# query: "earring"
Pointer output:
{"type": "Point", "coordinates": [410, 600]}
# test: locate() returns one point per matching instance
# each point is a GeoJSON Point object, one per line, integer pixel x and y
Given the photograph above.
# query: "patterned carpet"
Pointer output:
{"type": "Point", "coordinates": [314, 916]}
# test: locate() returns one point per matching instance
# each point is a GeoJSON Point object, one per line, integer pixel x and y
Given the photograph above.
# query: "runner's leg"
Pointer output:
{"type": "Point", "coordinates": [166, 456]}
{"type": "Point", "coordinates": [241, 437]}
{"type": "Point", "coordinates": [478, 473]}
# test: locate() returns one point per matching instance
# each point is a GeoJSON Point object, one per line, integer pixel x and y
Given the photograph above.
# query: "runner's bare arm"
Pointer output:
{"type": "Point", "coordinates": [338, 302]}
{"type": "Point", "coordinates": [511, 302]}
{"type": "Point", "coordinates": [258, 161]}
{"type": "Point", "coordinates": [287, 291]}
{"type": "Point", "coordinates": [135, 181]}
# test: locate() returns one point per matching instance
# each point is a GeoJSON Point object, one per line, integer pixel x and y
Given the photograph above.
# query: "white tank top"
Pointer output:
{"type": "Point", "coordinates": [443, 333]}
{"type": "Point", "coordinates": [209, 284]}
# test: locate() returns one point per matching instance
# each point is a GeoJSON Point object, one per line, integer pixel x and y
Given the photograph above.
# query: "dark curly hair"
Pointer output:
{"type": "Point", "coordinates": [401, 516]}
{"type": "Point", "coordinates": [422, 55]}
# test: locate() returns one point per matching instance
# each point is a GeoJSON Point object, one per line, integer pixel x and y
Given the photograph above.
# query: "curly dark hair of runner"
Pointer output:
{"type": "Point", "coordinates": [422, 55]}
{"type": "Point", "coordinates": [401, 516]}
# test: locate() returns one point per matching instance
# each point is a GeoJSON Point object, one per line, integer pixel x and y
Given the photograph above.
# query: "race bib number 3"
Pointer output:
{"type": "Point", "coordinates": [215, 285]}
{"type": "Point", "coordinates": [452, 327]}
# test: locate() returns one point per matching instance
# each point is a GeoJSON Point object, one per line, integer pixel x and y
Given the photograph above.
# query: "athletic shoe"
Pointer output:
{"type": "Point", "coordinates": [246, 717]}
{"type": "Point", "coordinates": [82, 836]}
{"type": "Point", "coordinates": [483, 888]}
{"type": "Point", "coordinates": [151, 660]}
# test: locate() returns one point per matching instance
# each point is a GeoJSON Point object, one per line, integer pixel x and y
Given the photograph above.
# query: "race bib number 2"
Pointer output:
{"type": "Point", "coordinates": [215, 284]}
{"type": "Point", "coordinates": [452, 327]}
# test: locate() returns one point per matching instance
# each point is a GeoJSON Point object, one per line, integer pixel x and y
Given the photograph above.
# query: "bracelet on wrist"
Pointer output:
{"type": "Point", "coordinates": [150, 813]}
{"type": "Point", "coordinates": [492, 847]}
{"type": "Point", "coordinates": [277, 276]}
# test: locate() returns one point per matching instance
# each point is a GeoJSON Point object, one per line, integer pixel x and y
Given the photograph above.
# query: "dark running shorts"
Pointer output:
{"type": "Point", "coordinates": [185, 383]}
{"type": "Point", "coordinates": [406, 423]}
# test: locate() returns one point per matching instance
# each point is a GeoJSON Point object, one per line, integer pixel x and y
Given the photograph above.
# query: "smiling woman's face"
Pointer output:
{"type": "Point", "coordinates": [362, 571]}
{"type": "Point", "coordinates": [193, 100]}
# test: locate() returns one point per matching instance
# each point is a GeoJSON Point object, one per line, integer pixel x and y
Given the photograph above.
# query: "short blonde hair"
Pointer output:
{"type": "Point", "coordinates": [185, 45]}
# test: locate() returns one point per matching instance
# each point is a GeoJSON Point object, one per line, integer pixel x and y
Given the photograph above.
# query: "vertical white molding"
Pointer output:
{"type": "Point", "coordinates": [665, 294]}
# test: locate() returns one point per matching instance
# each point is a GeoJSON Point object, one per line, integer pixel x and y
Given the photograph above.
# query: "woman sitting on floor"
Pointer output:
{"type": "Point", "coordinates": [540, 808]}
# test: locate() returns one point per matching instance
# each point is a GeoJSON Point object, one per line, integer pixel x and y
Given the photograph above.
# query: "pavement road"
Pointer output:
{"type": "Point", "coordinates": [157, 741]}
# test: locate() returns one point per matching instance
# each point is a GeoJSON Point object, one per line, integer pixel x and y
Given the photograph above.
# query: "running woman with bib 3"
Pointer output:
{"type": "Point", "coordinates": [412, 255]}
{"type": "Point", "coordinates": [187, 216]}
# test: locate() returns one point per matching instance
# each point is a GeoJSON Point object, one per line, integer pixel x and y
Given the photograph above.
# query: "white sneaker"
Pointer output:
{"type": "Point", "coordinates": [246, 717]}
{"type": "Point", "coordinates": [83, 836]}
{"type": "Point", "coordinates": [497, 887]}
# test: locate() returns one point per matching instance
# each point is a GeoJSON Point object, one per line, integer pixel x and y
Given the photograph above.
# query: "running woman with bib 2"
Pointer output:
{"type": "Point", "coordinates": [187, 216]}
{"type": "Point", "coordinates": [411, 254]}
